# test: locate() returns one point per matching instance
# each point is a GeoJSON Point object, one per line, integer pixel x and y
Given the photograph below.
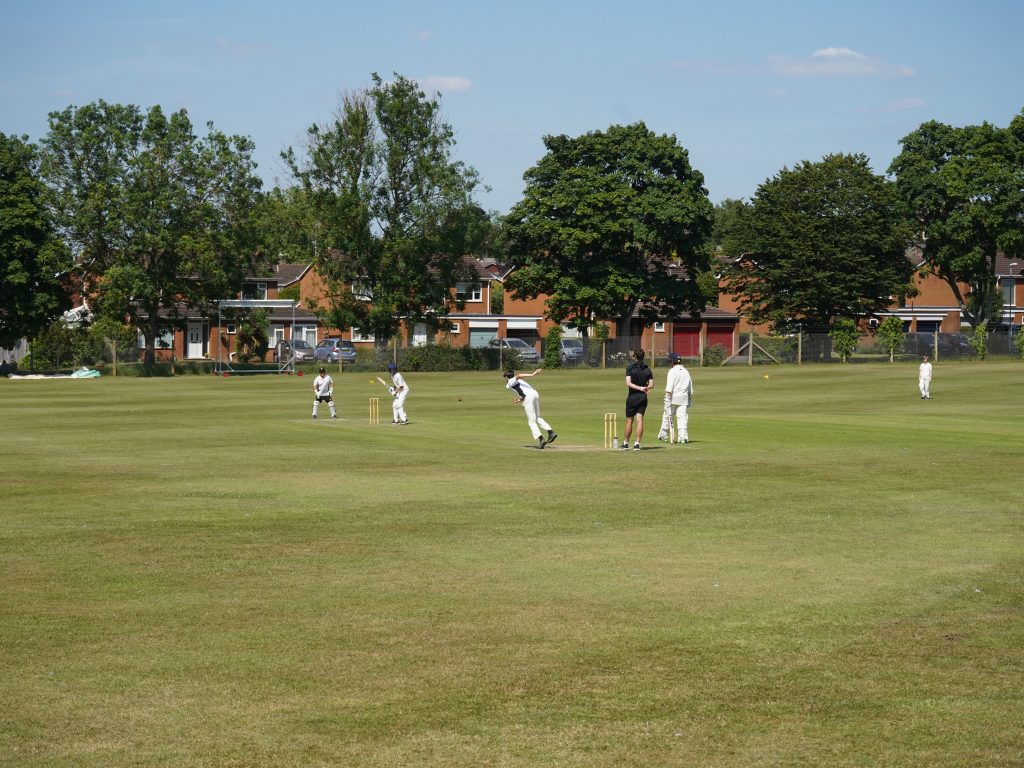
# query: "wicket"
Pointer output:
{"type": "Point", "coordinates": [611, 430]}
{"type": "Point", "coordinates": [375, 410]}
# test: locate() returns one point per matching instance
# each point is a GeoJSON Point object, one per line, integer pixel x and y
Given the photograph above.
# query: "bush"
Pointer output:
{"type": "Point", "coordinates": [553, 347]}
{"type": "Point", "coordinates": [714, 355]}
{"type": "Point", "coordinates": [1018, 342]}
{"type": "Point", "coordinates": [443, 357]}
{"type": "Point", "coordinates": [979, 340]}
{"type": "Point", "coordinates": [844, 337]}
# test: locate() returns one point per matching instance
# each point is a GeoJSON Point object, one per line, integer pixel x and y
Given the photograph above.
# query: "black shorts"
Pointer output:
{"type": "Point", "coordinates": [323, 399]}
{"type": "Point", "coordinates": [636, 404]}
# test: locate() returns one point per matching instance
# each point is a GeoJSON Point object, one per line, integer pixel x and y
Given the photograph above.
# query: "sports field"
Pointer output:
{"type": "Point", "coordinates": [194, 573]}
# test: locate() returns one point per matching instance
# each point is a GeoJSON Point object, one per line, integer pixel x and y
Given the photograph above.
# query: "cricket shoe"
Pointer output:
{"type": "Point", "coordinates": [551, 436]}
{"type": "Point", "coordinates": [636, 446]}
{"type": "Point", "coordinates": [541, 443]}
{"type": "Point", "coordinates": [625, 447]}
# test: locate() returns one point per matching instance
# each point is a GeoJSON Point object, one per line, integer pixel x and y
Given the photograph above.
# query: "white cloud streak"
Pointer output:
{"type": "Point", "coordinates": [446, 84]}
{"type": "Point", "coordinates": [824, 62]}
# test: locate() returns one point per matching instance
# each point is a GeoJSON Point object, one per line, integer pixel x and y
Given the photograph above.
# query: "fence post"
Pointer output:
{"type": "Point", "coordinates": [750, 349]}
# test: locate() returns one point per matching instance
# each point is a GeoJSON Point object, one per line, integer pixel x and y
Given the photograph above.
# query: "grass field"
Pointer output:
{"type": "Point", "coordinates": [193, 573]}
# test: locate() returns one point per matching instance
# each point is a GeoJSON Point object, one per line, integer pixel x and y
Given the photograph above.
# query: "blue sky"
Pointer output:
{"type": "Point", "coordinates": [746, 87]}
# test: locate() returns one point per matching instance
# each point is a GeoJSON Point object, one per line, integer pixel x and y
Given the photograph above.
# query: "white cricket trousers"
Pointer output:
{"type": "Point", "coordinates": [680, 413]}
{"type": "Point", "coordinates": [398, 406]}
{"type": "Point", "coordinates": [923, 384]}
{"type": "Point", "coordinates": [531, 404]}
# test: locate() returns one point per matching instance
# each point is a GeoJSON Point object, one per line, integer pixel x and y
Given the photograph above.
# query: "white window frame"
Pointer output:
{"type": "Point", "coordinates": [305, 332]}
{"type": "Point", "coordinates": [659, 327]}
{"type": "Point", "coordinates": [358, 335]}
{"type": "Point", "coordinates": [362, 291]}
{"type": "Point", "coordinates": [476, 295]}
{"type": "Point", "coordinates": [230, 329]}
{"type": "Point", "coordinates": [456, 328]}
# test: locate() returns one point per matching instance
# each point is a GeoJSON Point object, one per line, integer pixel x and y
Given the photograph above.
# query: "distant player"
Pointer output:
{"type": "Point", "coordinates": [924, 379]}
{"type": "Point", "coordinates": [323, 392]}
{"type": "Point", "coordinates": [400, 390]}
{"type": "Point", "coordinates": [530, 399]}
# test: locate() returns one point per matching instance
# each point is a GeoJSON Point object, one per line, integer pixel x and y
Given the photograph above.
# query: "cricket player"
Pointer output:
{"type": "Point", "coordinates": [679, 396]}
{"type": "Point", "coordinates": [323, 391]}
{"type": "Point", "coordinates": [400, 390]}
{"type": "Point", "coordinates": [924, 379]}
{"type": "Point", "coordinates": [639, 381]}
{"type": "Point", "coordinates": [530, 399]}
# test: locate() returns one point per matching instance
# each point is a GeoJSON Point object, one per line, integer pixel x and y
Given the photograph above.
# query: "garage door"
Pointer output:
{"type": "Point", "coordinates": [686, 339]}
{"type": "Point", "coordinates": [721, 333]}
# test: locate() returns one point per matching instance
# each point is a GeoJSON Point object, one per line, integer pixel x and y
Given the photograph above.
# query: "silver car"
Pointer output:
{"type": "Point", "coordinates": [571, 351]}
{"type": "Point", "coordinates": [526, 353]}
{"type": "Point", "coordinates": [300, 348]}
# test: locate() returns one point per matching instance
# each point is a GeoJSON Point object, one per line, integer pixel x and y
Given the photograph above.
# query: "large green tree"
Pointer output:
{"type": "Point", "coordinates": [611, 223]}
{"type": "Point", "coordinates": [158, 220]}
{"type": "Point", "coordinates": [32, 259]}
{"type": "Point", "coordinates": [394, 211]}
{"type": "Point", "coordinates": [818, 242]}
{"type": "Point", "coordinates": [963, 189]}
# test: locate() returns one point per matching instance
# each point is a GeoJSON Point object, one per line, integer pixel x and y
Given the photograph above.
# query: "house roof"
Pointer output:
{"type": "Point", "coordinates": [286, 274]}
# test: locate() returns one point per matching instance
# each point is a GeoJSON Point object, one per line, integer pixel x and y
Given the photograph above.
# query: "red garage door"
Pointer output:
{"type": "Point", "coordinates": [686, 339]}
{"type": "Point", "coordinates": [721, 333]}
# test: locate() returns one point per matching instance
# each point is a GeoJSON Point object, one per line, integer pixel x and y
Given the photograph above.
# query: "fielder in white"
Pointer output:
{"type": "Point", "coordinates": [530, 399]}
{"type": "Point", "coordinates": [924, 379]}
{"type": "Point", "coordinates": [678, 397]}
{"type": "Point", "coordinates": [400, 390]}
{"type": "Point", "coordinates": [323, 391]}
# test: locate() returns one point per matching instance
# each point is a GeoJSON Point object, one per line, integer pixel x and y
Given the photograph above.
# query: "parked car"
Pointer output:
{"type": "Point", "coordinates": [526, 353]}
{"type": "Point", "coordinates": [300, 348]}
{"type": "Point", "coordinates": [333, 350]}
{"type": "Point", "coordinates": [915, 343]}
{"type": "Point", "coordinates": [571, 352]}
{"type": "Point", "coordinates": [955, 344]}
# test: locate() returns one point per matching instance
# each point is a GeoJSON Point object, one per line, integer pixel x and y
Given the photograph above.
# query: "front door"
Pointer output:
{"type": "Point", "coordinates": [419, 334]}
{"type": "Point", "coordinates": [194, 347]}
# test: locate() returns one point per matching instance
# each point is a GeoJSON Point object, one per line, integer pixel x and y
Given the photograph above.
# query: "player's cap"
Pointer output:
{"type": "Point", "coordinates": [392, 367]}
{"type": "Point", "coordinates": [323, 370]}
{"type": "Point", "coordinates": [509, 374]}
{"type": "Point", "coordinates": [674, 358]}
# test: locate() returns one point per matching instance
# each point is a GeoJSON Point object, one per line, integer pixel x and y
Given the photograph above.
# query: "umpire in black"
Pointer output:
{"type": "Point", "coordinates": [639, 381]}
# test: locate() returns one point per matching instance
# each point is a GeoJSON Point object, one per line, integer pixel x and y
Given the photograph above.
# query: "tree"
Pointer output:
{"type": "Point", "coordinates": [844, 337]}
{"type": "Point", "coordinates": [158, 220]}
{"type": "Point", "coordinates": [394, 212]}
{"type": "Point", "coordinates": [820, 242]}
{"type": "Point", "coordinates": [285, 226]}
{"type": "Point", "coordinates": [32, 259]}
{"type": "Point", "coordinates": [890, 331]}
{"type": "Point", "coordinates": [963, 189]}
{"type": "Point", "coordinates": [611, 223]}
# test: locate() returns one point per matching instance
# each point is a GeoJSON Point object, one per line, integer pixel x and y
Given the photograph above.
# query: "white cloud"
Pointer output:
{"type": "Point", "coordinates": [451, 84]}
{"type": "Point", "coordinates": [836, 62]}
{"type": "Point", "coordinates": [824, 62]}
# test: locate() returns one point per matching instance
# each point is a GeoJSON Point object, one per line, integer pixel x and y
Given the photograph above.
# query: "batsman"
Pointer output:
{"type": "Point", "coordinates": [400, 391]}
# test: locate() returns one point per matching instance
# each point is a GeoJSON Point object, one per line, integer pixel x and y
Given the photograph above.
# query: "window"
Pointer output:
{"type": "Point", "coordinates": [231, 328]}
{"type": "Point", "coordinates": [164, 339]}
{"type": "Point", "coordinates": [1008, 286]}
{"type": "Point", "coordinates": [255, 291]}
{"type": "Point", "coordinates": [276, 334]}
{"type": "Point", "coordinates": [306, 333]}
{"type": "Point", "coordinates": [358, 335]}
{"type": "Point", "coordinates": [659, 327]}
{"type": "Point", "coordinates": [456, 328]}
{"type": "Point", "coordinates": [362, 291]}
{"type": "Point", "coordinates": [468, 292]}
